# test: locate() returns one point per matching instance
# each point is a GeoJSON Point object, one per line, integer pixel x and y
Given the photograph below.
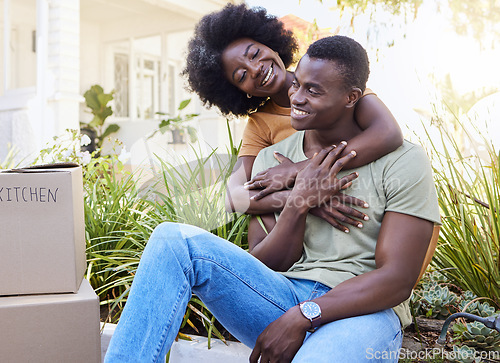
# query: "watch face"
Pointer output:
{"type": "Point", "coordinates": [310, 309]}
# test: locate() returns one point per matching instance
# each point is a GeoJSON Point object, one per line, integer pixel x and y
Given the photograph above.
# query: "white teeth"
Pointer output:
{"type": "Point", "coordinates": [268, 75]}
{"type": "Point", "coordinates": [298, 112]}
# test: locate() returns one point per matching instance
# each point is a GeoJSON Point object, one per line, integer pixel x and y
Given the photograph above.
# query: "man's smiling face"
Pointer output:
{"type": "Point", "coordinates": [318, 95]}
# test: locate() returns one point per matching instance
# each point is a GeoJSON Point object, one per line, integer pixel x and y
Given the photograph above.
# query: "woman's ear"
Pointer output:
{"type": "Point", "coordinates": [354, 95]}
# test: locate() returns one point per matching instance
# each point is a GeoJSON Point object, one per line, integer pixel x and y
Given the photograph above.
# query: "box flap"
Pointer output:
{"type": "Point", "coordinates": [42, 168]}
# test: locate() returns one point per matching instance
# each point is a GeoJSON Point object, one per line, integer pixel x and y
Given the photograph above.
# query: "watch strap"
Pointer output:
{"type": "Point", "coordinates": [315, 323]}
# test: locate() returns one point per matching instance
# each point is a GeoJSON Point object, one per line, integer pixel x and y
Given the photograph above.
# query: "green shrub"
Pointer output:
{"type": "Point", "coordinates": [113, 209]}
{"type": "Point", "coordinates": [123, 217]}
{"type": "Point", "coordinates": [477, 336]}
{"type": "Point", "coordinates": [469, 198]}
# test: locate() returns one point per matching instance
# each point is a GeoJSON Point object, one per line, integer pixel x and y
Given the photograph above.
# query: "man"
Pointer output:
{"type": "Point", "coordinates": [341, 287]}
{"type": "Point", "coordinates": [370, 270]}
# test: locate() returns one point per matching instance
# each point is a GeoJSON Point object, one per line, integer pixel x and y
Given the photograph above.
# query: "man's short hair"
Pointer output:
{"type": "Point", "coordinates": [349, 56]}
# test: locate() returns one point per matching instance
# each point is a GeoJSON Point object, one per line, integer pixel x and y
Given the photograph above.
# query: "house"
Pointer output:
{"type": "Point", "coordinates": [54, 50]}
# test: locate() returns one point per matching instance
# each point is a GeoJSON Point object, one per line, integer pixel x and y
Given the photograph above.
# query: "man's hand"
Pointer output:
{"type": "Point", "coordinates": [281, 340]}
{"type": "Point", "coordinates": [274, 179]}
{"type": "Point", "coordinates": [316, 183]}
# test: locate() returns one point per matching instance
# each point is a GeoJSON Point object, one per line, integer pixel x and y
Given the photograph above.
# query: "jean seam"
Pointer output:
{"type": "Point", "coordinates": [268, 298]}
{"type": "Point", "coordinates": [316, 291]}
{"type": "Point", "coordinates": [168, 326]}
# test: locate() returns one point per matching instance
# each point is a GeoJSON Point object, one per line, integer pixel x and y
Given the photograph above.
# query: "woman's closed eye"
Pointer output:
{"type": "Point", "coordinates": [256, 53]}
{"type": "Point", "coordinates": [243, 75]}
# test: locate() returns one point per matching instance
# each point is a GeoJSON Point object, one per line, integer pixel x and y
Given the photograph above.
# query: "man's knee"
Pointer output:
{"type": "Point", "coordinates": [166, 238]}
{"type": "Point", "coordinates": [165, 232]}
{"type": "Point", "coordinates": [175, 235]}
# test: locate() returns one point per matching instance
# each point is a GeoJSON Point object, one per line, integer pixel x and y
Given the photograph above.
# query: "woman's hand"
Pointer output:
{"type": "Point", "coordinates": [276, 178]}
{"type": "Point", "coordinates": [336, 212]}
{"type": "Point", "coordinates": [317, 183]}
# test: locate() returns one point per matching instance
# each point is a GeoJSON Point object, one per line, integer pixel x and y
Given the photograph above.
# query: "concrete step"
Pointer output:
{"type": "Point", "coordinates": [184, 351]}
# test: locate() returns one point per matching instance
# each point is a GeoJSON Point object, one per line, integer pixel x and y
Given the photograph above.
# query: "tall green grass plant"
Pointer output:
{"type": "Point", "coordinates": [468, 253]}
{"type": "Point", "coordinates": [182, 191]}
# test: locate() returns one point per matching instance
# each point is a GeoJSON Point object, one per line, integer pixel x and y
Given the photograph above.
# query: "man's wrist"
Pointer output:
{"type": "Point", "coordinates": [303, 324]}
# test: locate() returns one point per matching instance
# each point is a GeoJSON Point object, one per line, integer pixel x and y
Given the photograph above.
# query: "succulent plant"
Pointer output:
{"type": "Point", "coordinates": [477, 335]}
{"type": "Point", "coordinates": [439, 301]}
{"type": "Point", "coordinates": [464, 354]}
{"type": "Point", "coordinates": [437, 277]}
{"type": "Point", "coordinates": [468, 296]}
{"type": "Point", "coordinates": [467, 305]}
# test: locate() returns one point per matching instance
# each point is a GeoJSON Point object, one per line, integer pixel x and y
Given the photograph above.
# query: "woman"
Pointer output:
{"type": "Point", "coordinates": [237, 61]}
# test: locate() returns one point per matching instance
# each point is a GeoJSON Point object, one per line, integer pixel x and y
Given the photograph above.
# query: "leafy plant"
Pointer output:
{"type": "Point", "coordinates": [471, 304]}
{"type": "Point", "coordinates": [177, 124]}
{"type": "Point", "coordinates": [439, 301]}
{"type": "Point", "coordinates": [477, 336]}
{"type": "Point", "coordinates": [113, 208]}
{"type": "Point", "coordinates": [97, 101]}
{"type": "Point", "coordinates": [65, 148]}
{"type": "Point", "coordinates": [186, 192]}
{"type": "Point", "coordinates": [465, 354]}
{"type": "Point", "coordinates": [468, 252]}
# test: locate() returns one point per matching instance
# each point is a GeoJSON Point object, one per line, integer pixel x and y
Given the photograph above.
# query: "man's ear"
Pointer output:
{"type": "Point", "coordinates": [354, 95]}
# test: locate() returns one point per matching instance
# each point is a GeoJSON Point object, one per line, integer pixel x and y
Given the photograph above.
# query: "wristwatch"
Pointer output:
{"type": "Point", "coordinates": [311, 311]}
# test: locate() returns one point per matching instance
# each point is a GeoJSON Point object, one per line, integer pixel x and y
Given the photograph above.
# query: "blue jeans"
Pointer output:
{"type": "Point", "coordinates": [242, 293]}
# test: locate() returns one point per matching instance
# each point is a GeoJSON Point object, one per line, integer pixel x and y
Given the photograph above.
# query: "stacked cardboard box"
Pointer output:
{"type": "Point", "coordinates": [48, 312]}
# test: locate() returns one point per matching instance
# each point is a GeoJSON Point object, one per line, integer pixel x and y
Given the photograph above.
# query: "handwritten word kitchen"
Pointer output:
{"type": "Point", "coordinates": [24, 194]}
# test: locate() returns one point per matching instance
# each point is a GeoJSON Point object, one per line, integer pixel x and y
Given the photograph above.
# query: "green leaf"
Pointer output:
{"type": "Point", "coordinates": [96, 121]}
{"type": "Point", "coordinates": [184, 104]}
{"type": "Point", "coordinates": [91, 100]}
{"type": "Point", "coordinates": [104, 98]}
{"type": "Point", "coordinates": [110, 130]}
{"type": "Point", "coordinates": [106, 113]}
{"type": "Point", "coordinates": [193, 136]}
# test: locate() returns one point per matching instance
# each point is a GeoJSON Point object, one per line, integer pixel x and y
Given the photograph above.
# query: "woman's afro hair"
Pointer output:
{"type": "Point", "coordinates": [214, 32]}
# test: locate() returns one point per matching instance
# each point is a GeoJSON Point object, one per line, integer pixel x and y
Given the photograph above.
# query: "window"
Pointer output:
{"type": "Point", "coordinates": [147, 86]}
{"type": "Point", "coordinates": [121, 95]}
{"type": "Point", "coordinates": [172, 105]}
{"type": "Point", "coordinates": [137, 78]}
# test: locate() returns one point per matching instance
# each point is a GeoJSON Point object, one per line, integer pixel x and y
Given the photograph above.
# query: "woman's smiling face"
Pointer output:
{"type": "Point", "coordinates": [253, 68]}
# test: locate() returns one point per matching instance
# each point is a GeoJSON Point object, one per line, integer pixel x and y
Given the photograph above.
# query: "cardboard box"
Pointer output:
{"type": "Point", "coordinates": [42, 230]}
{"type": "Point", "coordinates": [51, 328]}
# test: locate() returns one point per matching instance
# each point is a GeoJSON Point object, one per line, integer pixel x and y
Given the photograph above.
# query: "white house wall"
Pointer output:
{"type": "Point", "coordinates": [91, 55]}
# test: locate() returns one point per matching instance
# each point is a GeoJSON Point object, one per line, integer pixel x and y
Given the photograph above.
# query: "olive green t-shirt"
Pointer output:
{"type": "Point", "coordinates": [400, 181]}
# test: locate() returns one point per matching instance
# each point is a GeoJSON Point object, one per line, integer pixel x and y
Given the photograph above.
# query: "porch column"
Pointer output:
{"type": "Point", "coordinates": [58, 85]}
